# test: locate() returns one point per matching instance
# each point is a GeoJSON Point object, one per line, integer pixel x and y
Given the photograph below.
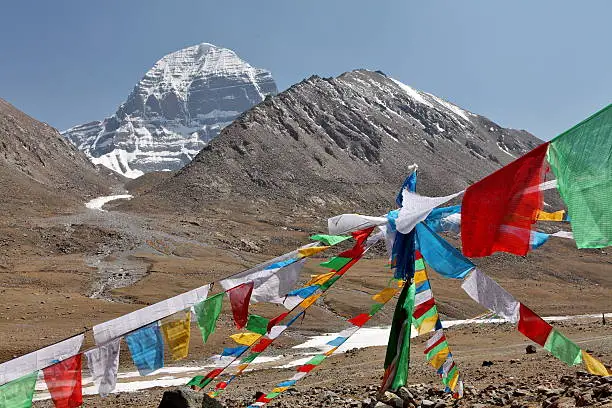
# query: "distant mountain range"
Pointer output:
{"type": "Point", "coordinates": [340, 144]}
{"type": "Point", "coordinates": [177, 107]}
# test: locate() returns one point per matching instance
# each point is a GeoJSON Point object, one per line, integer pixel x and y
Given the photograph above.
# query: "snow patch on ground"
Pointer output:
{"type": "Point", "coordinates": [98, 203]}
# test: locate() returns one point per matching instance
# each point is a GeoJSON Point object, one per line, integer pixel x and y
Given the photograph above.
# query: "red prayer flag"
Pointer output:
{"type": "Point", "coordinates": [421, 309]}
{"type": "Point", "coordinates": [64, 382]}
{"type": "Point", "coordinates": [261, 345]}
{"type": "Point", "coordinates": [221, 386]}
{"type": "Point", "coordinates": [497, 213]}
{"type": "Point", "coordinates": [360, 320]}
{"type": "Point", "coordinates": [239, 297]}
{"type": "Point", "coordinates": [214, 373]}
{"type": "Point", "coordinates": [263, 399]}
{"type": "Point", "coordinates": [417, 255]}
{"type": "Point", "coordinates": [440, 340]}
{"type": "Point", "coordinates": [533, 326]}
{"type": "Point", "coordinates": [273, 322]}
{"type": "Point", "coordinates": [306, 368]}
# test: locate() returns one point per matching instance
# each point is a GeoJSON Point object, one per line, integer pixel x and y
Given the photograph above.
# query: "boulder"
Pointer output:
{"type": "Point", "coordinates": [184, 397]}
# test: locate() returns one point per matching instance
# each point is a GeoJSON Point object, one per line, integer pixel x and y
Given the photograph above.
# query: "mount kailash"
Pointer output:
{"type": "Point", "coordinates": [177, 107]}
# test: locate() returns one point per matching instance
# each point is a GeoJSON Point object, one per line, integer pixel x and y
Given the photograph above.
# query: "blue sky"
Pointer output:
{"type": "Point", "coordinates": [537, 65]}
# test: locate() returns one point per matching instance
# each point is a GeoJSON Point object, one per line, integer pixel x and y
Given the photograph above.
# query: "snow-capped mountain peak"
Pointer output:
{"type": "Point", "coordinates": [181, 103]}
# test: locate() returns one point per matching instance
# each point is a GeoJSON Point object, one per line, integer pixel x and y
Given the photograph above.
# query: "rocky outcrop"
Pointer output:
{"type": "Point", "coordinates": [176, 108]}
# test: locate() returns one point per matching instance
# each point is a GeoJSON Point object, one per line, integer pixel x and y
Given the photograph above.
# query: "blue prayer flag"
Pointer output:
{"type": "Point", "coordinates": [440, 255]}
{"type": "Point", "coordinates": [147, 348]}
{"type": "Point", "coordinates": [337, 342]}
{"type": "Point", "coordinates": [234, 351]}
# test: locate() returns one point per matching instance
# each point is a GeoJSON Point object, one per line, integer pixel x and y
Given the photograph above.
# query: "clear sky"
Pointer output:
{"type": "Point", "coordinates": [538, 65]}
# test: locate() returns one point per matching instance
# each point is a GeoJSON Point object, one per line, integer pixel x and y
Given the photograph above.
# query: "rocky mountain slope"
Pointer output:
{"type": "Point", "coordinates": [341, 144]}
{"type": "Point", "coordinates": [40, 171]}
{"type": "Point", "coordinates": [176, 108]}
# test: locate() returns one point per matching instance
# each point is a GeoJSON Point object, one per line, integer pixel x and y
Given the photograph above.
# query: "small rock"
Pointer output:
{"type": "Point", "coordinates": [530, 349]}
{"type": "Point", "coordinates": [487, 363]}
{"type": "Point", "coordinates": [405, 394]}
{"type": "Point", "coordinates": [427, 403]}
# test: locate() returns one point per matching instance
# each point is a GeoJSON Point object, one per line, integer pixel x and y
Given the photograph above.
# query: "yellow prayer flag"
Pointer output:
{"type": "Point", "coordinates": [384, 295]}
{"type": "Point", "coordinates": [453, 382]}
{"type": "Point", "coordinates": [280, 389]}
{"type": "Point", "coordinates": [330, 352]}
{"type": "Point", "coordinates": [547, 216]}
{"type": "Point", "coordinates": [439, 358]}
{"type": "Point", "coordinates": [593, 365]}
{"type": "Point", "coordinates": [310, 300]}
{"type": "Point", "coordinates": [420, 276]}
{"type": "Point", "coordinates": [242, 367]}
{"type": "Point", "coordinates": [320, 279]}
{"type": "Point", "coordinates": [304, 252]}
{"type": "Point", "coordinates": [427, 324]}
{"type": "Point", "coordinates": [400, 283]}
{"type": "Point", "coordinates": [176, 335]}
{"type": "Point", "coordinates": [246, 339]}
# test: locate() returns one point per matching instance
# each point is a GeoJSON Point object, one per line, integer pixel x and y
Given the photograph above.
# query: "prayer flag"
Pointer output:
{"type": "Point", "coordinates": [440, 255]}
{"type": "Point", "coordinates": [257, 324]}
{"type": "Point", "coordinates": [533, 326]}
{"type": "Point", "coordinates": [593, 365]}
{"type": "Point", "coordinates": [64, 382]}
{"type": "Point", "coordinates": [239, 297]}
{"type": "Point", "coordinates": [330, 240]}
{"type": "Point", "coordinates": [306, 368]}
{"type": "Point", "coordinates": [375, 308]}
{"type": "Point", "coordinates": [306, 303]}
{"type": "Point", "coordinates": [506, 197]}
{"type": "Point", "coordinates": [416, 208]}
{"type": "Point", "coordinates": [397, 358]}
{"type": "Point", "coordinates": [581, 158]}
{"type": "Point", "coordinates": [336, 263]}
{"type": "Point", "coordinates": [360, 319]}
{"type": "Point", "coordinates": [177, 332]}
{"type": "Point", "coordinates": [320, 279]}
{"type": "Point", "coordinates": [234, 351]}
{"type": "Point", "coordinates": [147, 348]}
{"type": "Point", "coordinates": [444, 219]}
{"type": "Point", "coordinates": [384, 295]}
{"type": "Point", "coordinates": [316, 360]}
{"type": "Point", "coordinates": [563, 348]}
{"type": "Point", "coordinates": [344, 223]}
{"type": "Point", "coordinates": [550, 216]}
{"type": "Point", "coordinates": [489, 294]}
{"type": "Point", "coordinates": [247, 339]}
{"type": "Point", "coordinates": [262, 345]}
{"type": "Point", "coordinates": [18, 393]}
{"type": "Point", "coordinates": [103, 363]}
{"type": "Point", "coordinates": [304, 252]}
{"type": "Point", "coordinates": [273, 322]}
{"type": "Point", "coordinates": [207, 313]}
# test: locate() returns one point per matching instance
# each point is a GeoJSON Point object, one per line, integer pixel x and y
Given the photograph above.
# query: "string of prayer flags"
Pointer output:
{"type": "Point", "coordinates": [207, 313]}
{"type": "Point", "coordinates": [177, 333]}
{"type": "Point", "coordinates": [147, 348]}
{"type": "Point", "coordinates": [63, 381]}
{"type": "Point", "coordinates": [246, 339]}
{"type": "Point", "coordinates": [39, 359]}
{"type": "Point", "coordinates": [440, 255]}
{"type": "Point", "coordinates": [103, 363]}
{"type": "Point", "coordinates": [257, 324]}
{"type": "Point", "coordinates": [489, 294]}
{"type": "Point", "coordinates": [18, 393]}
{"type": "Point", "coordinates": [239, 297]}
{"type": "Point", "coordinates": [506, 197]}
{"type": "Point", "coordinates": [112, 329]}
{"type": "Point", "coordinates": [580, 159]}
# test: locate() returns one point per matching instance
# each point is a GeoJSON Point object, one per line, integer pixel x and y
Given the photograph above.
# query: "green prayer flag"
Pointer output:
{"type": "Point", "coordinates": [195, 380]}
{"type": "Point", "coordinates": [330, 239]}
{"type": "Point", "coordinates": [375, 308]}
{"type": "Point", "coordinates": [18, 393]}
{"type": "Point", "coordinates": [563, 348]}
{"type": "Point", "coordinates": [316, 360]}
{"type": "Point", "coordinates": [449, 377]}
{"type": "Point", "coordinates": [208, 312]}
{"type": "Point", "coordinates": [581, 159]}
{"type": "Point", "coordinates": [336, 263]}
{"type": "Point", "coordinates": [329, 282]}
{"type": "Point", "coordinates": [419, 264]}
{"type": "Point", "coordinates": [272, 395]}
{"type": "Point", "coordinates": [249, 358]}
{"type": "Point", "coordinates": [430, 313]}
{"type": "Point", "coordinates": [397, 358]}
{"type": "Point", "coordinates": [434, 351]}
{"type": "Point", "coordinates": [257, 324]}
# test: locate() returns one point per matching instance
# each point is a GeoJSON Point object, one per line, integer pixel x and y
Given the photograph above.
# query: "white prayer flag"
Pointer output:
{"type": "Point", "coordinates": [488, 293]}
{"type": "Point", "coordinates": [103, 363]}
